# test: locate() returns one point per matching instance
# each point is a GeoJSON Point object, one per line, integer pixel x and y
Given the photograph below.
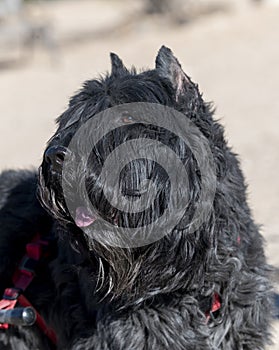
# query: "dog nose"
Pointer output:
{"type": "Point", "coordinates": [55, 156]}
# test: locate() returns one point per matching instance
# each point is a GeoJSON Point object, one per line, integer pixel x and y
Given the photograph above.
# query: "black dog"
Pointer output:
{"type": "Point", "coordinates": [193, 287]}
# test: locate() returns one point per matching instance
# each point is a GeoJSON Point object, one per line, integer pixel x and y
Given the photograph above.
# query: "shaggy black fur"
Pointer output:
{"type": "Point", "coordinates": [154, 297]}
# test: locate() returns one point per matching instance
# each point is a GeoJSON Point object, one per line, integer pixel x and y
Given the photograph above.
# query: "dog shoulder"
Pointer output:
{"type": "Point", "coordinates": [21, 214]}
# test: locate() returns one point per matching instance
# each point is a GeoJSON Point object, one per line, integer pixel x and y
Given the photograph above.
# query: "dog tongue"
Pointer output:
{"type": "Point", "coordinates": [84, 217]}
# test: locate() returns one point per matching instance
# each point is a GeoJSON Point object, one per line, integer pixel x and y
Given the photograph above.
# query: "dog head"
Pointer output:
{"type": "Point", "coordinates": [134, 113]}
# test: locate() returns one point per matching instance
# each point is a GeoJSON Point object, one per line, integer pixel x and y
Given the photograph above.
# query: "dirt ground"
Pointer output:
{"type": "Point", "coordinates": [234, 56]}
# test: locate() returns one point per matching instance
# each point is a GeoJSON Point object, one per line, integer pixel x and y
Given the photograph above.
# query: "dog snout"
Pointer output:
{"type": "Point", "coordinates": [55, 156]}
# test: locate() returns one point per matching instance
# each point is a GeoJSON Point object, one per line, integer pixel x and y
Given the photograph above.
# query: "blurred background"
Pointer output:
{"type": "Point", "coordinates": [230, 47]}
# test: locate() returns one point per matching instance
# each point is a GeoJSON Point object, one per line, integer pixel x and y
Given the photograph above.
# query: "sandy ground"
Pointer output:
{"type": "Point", "coordinates": [234, 56]}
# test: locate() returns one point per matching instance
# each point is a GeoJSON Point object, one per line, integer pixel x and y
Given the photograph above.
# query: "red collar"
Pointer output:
{"type": "Point", "coordinates": [22, 278]}
{"type": "Point", "coordinates": [216, 306]}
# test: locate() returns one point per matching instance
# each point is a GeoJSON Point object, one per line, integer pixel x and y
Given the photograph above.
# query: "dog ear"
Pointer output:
{"type": "Point", "coordinates": [168, 67]}
{"type": "Point", "coordinates": [117, 66]}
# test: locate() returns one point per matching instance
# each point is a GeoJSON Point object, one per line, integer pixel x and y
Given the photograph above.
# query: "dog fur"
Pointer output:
{"type": "Point", "coordinates": [107, 298]}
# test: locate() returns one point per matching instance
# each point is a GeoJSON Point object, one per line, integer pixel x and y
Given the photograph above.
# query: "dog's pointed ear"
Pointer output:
{"type": "Point", "coordinates": [168, 67]}
{"type": "Point", "coordinates": [117, 66]}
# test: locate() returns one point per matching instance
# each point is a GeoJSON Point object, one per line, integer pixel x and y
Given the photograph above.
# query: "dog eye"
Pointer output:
{"type": "Point", "coordinates": [127, 119]}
